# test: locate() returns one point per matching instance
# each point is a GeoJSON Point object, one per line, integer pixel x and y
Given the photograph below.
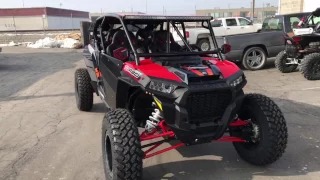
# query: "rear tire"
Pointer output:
{"type": "Point", "coordinates": [121, 146]}
{"type": "Point", "coordinates": [258, 52]}
{"type": "Point", "coordinates": [310, 66]}
{"type": "Point", "coordinates": [280, 63]}
{"type": "Point", "coordinates": [83, 90]}
{"type": "Point", "coordinates": [270, 124]}
{"type": "Point", "coordinates": [204, 44]}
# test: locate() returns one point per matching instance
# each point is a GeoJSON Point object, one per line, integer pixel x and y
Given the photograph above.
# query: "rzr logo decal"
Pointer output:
{"type": "Point", "coordinates": [134, 73]}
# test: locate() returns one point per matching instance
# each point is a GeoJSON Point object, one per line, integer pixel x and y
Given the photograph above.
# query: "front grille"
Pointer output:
{"type": "Point", "coordinates": [209, 106]}
{"type": "Point", "coordinates": [291, 50]}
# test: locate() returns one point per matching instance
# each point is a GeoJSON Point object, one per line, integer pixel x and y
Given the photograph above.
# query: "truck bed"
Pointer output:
{"type": "Point", "coordinates": [271, 41]}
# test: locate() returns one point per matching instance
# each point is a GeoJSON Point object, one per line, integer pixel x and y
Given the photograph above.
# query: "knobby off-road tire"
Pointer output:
{"type": "Point", "coordinates": [83, 90]}
{"type": "Point", "coordinates": [311, 63]}
{"type": "Point", "coordinates": [272, 127]}
{"type": "Point", "coordinates": [121, 146]}
{"type": "Point", "coordinates": [280, 63]}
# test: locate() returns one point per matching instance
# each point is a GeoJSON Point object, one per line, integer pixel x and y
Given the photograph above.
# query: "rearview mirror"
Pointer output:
{"type": "Point", "coordinates": [225, 48]}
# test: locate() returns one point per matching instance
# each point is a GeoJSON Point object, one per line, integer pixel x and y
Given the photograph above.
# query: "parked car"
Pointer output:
{"type": "Point", "coordinates": [221, 27]}
{"type": "Point", "coordinates": [252, 50]}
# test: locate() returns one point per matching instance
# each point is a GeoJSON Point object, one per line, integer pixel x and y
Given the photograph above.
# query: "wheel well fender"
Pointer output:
{"type": "Point", "coordinates": [130, 96]}
{"type": "Point", "coordinates": [125, 89]}
{"type": "Point", "coordinates": [256, 45]}
{"type": "Point", "coordinates": [202, 36]}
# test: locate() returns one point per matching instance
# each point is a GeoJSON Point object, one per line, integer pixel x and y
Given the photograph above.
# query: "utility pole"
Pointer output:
{"type": "Point", "coordinates": [253, 3]}
{"type": "Point", "coordinates": [146, 6]}
{"type": "Point", "coordinates": [131, 9]}
{"type": "Point", "coordinates": [22, 3]}
{"type": "Point", "coordinates": [163, 10]}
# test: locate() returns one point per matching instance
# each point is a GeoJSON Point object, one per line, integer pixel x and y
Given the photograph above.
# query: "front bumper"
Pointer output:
{"type": "Point", "coordinates": [292, 50]}
{"type": "Point", "coordinates": [202, 114]}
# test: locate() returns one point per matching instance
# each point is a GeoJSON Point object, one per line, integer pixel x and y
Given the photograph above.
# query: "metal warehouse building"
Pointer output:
{"type": "Point", "coordinates": [46, 18]}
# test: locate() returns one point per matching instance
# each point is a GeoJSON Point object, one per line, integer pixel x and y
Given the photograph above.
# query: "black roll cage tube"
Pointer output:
{"type": "Point", "coordinates": [167, 54]}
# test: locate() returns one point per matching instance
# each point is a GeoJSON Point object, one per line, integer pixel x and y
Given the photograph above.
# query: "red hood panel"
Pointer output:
{"type": "Point", "coordinates": [151, 69]}
{"type": "Point", "coordinates": [227, 68]}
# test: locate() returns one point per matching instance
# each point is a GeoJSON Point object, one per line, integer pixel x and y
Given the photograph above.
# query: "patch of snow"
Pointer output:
{"type": "Point", "coordinates": [36, 34]}
{"type": "Point", "coordinates": [9, 44]}
{"type": "Point", "coordinates": [52, 43]}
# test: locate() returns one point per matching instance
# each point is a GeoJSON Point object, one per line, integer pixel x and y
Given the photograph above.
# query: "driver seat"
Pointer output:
{"type": "Point", "coordinates": [159, 42]}
{"type": "Point", "coordinates": [120, 47]}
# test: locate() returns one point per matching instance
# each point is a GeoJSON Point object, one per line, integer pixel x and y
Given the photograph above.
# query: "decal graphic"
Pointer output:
{"type": "Point", "coordinates": [121, 53]}
{"type": "Point", "coordinates": [133, 72]}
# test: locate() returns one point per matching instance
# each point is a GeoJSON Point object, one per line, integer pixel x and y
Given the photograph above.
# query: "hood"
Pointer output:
{"type": "Point", "coordinates": [185, 73]}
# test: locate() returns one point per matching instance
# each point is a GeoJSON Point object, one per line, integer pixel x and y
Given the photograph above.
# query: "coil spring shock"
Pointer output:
{"type": "Point", "coordinates": [153, 120]}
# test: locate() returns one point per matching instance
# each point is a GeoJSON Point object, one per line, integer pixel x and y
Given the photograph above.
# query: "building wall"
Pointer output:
{"type": "Point", "coordinates": [291, 6]}
{"type": "Point", "coordinates": [55, 22]}
{"type": "Point", "coordinates": [310, 5]}
{"type": "Point", "coordinates": [260, 13]}
{"type": "Point", "coordinates": [46, 18]}
{"type": "Point", "coordinates": [21, 23]}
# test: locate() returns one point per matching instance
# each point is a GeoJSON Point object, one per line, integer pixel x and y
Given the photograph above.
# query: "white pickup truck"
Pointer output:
{"type": "Point", "coordinates": [221, 27]}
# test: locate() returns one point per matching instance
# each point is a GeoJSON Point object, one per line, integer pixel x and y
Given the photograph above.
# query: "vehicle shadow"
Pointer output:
{"type": "Point", "coordinates": [99, 108]}
{"type": "Point", "coordinates": [220, 160]}
{"type": "Point", "coordinates": [21, 67]}
{"type": "Point", "coordinates": [17, 98]}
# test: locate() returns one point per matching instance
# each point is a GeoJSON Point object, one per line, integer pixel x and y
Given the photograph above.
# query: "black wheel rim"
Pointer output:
{"type": "Point", "coordinates": [108, 153]}
{"type": "Point", "coordinates": [253, 122]}
{"type": "Point", "coordinates": [255, 58]}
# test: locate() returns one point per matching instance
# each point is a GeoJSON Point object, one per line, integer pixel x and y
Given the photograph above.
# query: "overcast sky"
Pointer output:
{"type": "Point", "coordinates": [153, 6]}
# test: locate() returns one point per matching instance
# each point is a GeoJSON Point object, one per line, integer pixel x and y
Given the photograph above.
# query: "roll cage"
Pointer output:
{"type": "Point", "coordinates": [124, 20]}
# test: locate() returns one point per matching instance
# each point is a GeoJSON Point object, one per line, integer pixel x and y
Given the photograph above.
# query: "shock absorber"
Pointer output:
{"type": "Point", "coordinates": [153, 120]}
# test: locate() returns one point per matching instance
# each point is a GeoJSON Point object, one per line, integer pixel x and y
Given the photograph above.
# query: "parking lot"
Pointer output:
{"type": "Point", "coordinates": [44, 137]}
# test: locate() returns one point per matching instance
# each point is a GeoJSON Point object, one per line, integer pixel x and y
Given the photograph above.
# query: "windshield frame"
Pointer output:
{"type": "Point", "coordinates": [183, 38]}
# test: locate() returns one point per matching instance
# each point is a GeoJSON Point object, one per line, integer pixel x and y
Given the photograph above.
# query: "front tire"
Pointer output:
{"type": "Point", "coordinates": [310, 66]}
{"type": "Point", "coordinates": [121, 146]}
{"type": "Point", "coordinates": [268, 121]}
{"type": "Point", "coordinates": [254, 58]}
{"type": "Point", "coordinates": [280, 63]}
{"type": "Point", "coordinates": [83, 90]}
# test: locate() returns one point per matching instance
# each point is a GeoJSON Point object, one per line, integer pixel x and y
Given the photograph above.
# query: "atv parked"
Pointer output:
{"type": "Point", "coordinates": [149, 81]}
{"type": "Point", "coordinates": [302, 51]}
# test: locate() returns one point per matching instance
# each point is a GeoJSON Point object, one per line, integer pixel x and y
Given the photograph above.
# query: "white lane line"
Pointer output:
{"type": "Point", "coordinates": [311, 88]}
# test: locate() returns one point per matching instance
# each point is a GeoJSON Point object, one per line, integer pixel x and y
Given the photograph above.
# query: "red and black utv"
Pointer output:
{"type": "Point", "coordinates": [172, 92]}
{"type": "Point", "coordinates": [303, 51]}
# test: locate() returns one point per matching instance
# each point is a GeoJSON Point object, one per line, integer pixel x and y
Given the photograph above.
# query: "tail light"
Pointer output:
{"type": "Point", "coordinates": [225, 48]}
{"type": "Point", "coordinates": [187, 34]}
{"type": "Point", "coordinates": [297, 39]}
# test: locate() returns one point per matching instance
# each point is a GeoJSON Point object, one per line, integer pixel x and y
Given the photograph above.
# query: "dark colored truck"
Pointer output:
{"type": "Point", "coordinates": [252, 50]}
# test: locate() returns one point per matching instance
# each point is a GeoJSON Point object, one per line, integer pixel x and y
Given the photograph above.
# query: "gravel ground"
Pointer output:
{"type": "Point", "coordinates": [44, 137]}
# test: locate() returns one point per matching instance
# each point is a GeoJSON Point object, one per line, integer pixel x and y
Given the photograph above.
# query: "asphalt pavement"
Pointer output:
{"type": "Point", "coordinates": [44, 137]}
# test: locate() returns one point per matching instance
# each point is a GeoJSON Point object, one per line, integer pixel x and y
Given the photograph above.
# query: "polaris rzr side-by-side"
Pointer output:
{"type": "Point", "coordinates": [170, 92]}
{"type": "Point", "coordinates": [302, 51]}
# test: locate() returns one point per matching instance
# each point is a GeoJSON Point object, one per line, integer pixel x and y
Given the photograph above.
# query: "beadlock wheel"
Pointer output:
{"type": "Point", "coordinates": [266, 132]}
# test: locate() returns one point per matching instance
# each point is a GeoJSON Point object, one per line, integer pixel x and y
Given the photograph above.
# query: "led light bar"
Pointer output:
{"type": "Point", "coordinates": [153, 17]}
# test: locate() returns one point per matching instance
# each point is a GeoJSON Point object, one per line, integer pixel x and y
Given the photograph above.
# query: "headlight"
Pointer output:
{"type": "Point", "coordinates": [162, 87]}
{"type": "Point", "coordinates": [236, 82]}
